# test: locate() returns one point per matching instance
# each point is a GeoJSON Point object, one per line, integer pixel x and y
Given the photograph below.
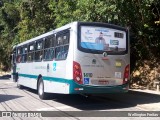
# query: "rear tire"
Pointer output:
{"type": "Point", "coordinates": [41, 93]}
{"type": "Point", "coordinates": [20, 86]}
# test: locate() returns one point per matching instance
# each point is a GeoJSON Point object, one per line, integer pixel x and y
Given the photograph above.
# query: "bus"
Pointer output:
{"type": "Point", "coordinates": [77, 58]}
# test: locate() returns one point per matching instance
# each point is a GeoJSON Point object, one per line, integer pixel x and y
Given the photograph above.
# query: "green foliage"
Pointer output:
{"type": "Point", "coordinates": [144, 34]}
{"type": "Point", "coordinates": [9, 19]}
{"type": "Point", "coordinates": [36, 18]}
{"type": "Point", "coordinates": [62, 11]}
{"type": "Point", "coordinates": [83, 10]}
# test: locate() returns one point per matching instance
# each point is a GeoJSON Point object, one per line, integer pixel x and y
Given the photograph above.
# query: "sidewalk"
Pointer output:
{"type": "Point", "coordinates": [150, 101]}
{"type": "Point", "coordinates": [146, 91]}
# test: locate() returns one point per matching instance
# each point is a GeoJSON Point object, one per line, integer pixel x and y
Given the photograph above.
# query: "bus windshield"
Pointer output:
{"type": "Point", "coordinates": [95, 38]}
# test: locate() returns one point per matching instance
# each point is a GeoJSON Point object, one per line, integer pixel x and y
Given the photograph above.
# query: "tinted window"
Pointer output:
{"type": "Point", "coordinates": [39, 51]}
{"type": "Point", "coordinates": [62, 45]}
{"type": "Point", "coordinates": [49, 41]}
{"type": "Point", "coordinates": [24, 53]}
{"type": "Point", "coordinates": [31, 48]}
{"type": "Point", "coordinates": [49, 48]}
{"type": "Point", "coordinates": [39, 45]}
{"type": "Point", "coordinates": [19, 55]}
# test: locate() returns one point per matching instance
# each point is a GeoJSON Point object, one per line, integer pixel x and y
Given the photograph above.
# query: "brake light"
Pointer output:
{"type": "Point", "coordinates": [126, 74]}
{"type": "Point", "coordinates": [77, 73]}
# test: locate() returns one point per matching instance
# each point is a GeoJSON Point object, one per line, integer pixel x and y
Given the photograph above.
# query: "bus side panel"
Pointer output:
{"type": "Point", "coordinates": [61, 72]}
{"type": "Point", "coordinates": [56, 87]}
{"type": "Point", "coordinates": [25, 76]}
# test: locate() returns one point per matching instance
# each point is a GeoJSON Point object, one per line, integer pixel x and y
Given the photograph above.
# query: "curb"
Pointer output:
{"type": "Point", "coordinates": [146, 91]}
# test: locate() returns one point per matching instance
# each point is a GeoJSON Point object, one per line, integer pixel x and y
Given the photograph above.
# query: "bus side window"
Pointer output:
{"type": "Point", "coordinates": [51, 53]}
{"type": "Point", "coordinates": [46, 54]}
{"type": "Point", "coordinates": [66, 47]}
{"type": "Point", "coordinates": [19, 55]}
{"type": "Point", "coordinates": [59, 52]}
{"type": "Point", "coordinates": [39, 51]}
{"type": "Point", "coordinates": [24, 53]}
{"type": "Point", "coordinates": [62, 46]}
{"type": "Point", "coordinates": [30, 52]}
{"type": "Point", "coordinates": [49, 48]}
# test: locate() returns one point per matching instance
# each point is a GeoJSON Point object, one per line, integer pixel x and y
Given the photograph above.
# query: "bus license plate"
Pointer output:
{"type": "Point", "coordinates": [103, 82]}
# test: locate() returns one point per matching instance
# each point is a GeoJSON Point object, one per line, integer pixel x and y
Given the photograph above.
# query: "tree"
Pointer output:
{"type": "Point", "coordinates": [36, 19]}
{"type": "Point", "coordinates": [83, 10]}
{"type": "Point", "coordinates": [9, 19]}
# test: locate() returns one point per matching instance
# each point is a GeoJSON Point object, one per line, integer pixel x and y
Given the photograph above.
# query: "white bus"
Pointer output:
{"type": "Point", "coordinates": [78, 58]}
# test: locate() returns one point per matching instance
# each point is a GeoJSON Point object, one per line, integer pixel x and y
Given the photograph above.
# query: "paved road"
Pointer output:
{"type": "Point", "coordinates": [14, 99]}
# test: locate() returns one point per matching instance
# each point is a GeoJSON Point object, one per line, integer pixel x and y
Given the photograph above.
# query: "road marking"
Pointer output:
{"type": "Point", "coordinates": [56, 108]}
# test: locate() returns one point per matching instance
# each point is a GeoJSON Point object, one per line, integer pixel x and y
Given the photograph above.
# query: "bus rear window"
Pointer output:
{"type": "Point", "coordinates": [102, 39]}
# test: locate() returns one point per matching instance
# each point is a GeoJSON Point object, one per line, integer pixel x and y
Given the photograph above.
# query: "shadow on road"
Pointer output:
{"type": "Point", "coordinates": [4, 98]}
{"type": "Point", "coordinates": [108, 101]}
{"type": "Point", "coordinates": [134, 97]}
{"type": "Point", "coordinates": [91, 103]}
{"type": "Point", "coordinates": [105, 101]}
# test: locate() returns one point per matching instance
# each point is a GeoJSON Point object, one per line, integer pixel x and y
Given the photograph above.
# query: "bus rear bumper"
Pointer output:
{"type": "Point", "coordinates": [87, 89]}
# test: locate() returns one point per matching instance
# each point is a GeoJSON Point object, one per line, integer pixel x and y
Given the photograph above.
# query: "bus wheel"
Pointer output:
{"type": "Point", "coordinates": [19, 86]}
{"type": "Point", "coordinates": [41, 93]}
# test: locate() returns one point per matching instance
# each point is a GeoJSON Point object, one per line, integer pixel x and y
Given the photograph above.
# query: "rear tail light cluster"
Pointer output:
{"type": "Point", "coordinates": [77, 73]}
{"type": "Point", "coordinates": [126, 74]}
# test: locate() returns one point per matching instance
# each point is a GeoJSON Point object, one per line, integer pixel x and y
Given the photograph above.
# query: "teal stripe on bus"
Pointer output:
{"type": "Point", "coordinates": [61, 80]}
{"type": "Point", "coordinates": [46, 78]}
{"type": "Point", "coordinates": [86, 88]}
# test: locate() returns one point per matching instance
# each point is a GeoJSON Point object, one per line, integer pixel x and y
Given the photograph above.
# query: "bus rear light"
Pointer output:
{"type": "Point", "coordinates": [76, 66]}
{"type": "Point", "coordinates": [126, 74]}
{"type": "Point", "coordinates": [78, 79]}
{"type": "Point", "coordinates": [77, 73]}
